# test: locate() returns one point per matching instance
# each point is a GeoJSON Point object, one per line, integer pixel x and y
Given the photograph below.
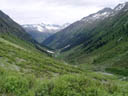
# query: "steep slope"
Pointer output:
{"type": "Point", "coordinates": [9, 27]}
{"type": "Point", "coordinates": [106, 46]}
{"type": "Point", "coordinates": [75, 33]}
{"type": "Point", "coordinates": [10, 30]}
{"type": "Point", "coordinates": [42, 31]}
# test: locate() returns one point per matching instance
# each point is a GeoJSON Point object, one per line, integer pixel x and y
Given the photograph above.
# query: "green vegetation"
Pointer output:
{"type": "Point", "coordinates": [30, 72]}
{"type": "Point", "coordinates": [118, 71]}
{"type": "Point", "coordinates": [27, 70]}
{"type": "Point", "coordinates": [22, 67]}
{"type": "Point", "coordinates": [31, 61]}
{"type": "Point", "coordinates": [91, 84]}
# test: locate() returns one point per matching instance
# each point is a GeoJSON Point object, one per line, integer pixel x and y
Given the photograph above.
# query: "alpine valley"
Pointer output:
{"type": "Point", "coordinates": [98, 40]}
{"type": "Point", "coordinates": [42, 31]}
{"type": "Point", "coordinates": [86, 58]}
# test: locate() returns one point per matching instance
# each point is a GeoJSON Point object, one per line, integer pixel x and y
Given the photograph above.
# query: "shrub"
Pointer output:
{"type": "Point", "coordinates": [15, 85]}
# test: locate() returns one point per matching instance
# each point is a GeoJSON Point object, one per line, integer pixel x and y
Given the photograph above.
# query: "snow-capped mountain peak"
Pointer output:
{"type": "Point", "coordinates": [120, 6]}
{"type": "Point", "coordinates": [102, 14]}
{"type": "Point", "coordinates": [99, 15]}
{"type": "Point", "coordinates": [52, 27]}
{"type": "Point", "coordinates": [45, 27]}
{"type": "Point", "coordinates": [40, 29]}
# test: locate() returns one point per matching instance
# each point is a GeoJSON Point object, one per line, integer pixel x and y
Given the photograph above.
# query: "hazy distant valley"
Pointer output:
{"type": "Point", "coordinates": [42, 31]}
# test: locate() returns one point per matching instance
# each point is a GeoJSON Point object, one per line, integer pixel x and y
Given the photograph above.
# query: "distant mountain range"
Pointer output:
{"type": "Point", "coordinates": [42, 31]}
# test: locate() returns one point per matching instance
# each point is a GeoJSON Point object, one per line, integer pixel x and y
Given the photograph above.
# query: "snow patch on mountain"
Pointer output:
{"type": "Point", "coordinates": [45, 27]}
{"type": "Point", "coordinates": [42, 31]}
{"type": "Point", "coordinates": [39, 28]}
{"type": "Point", "coordinates": [120, 6]}
{"type": "Point", "coordinates": [52, 27]}
{"type": "Point", "coordinates": [100, 15]}
{"type": "Point", "coordinates": [97, 16]}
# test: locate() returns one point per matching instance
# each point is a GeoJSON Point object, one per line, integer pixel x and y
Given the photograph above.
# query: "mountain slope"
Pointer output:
{"type": "Point", "coordinates": [42, 31]}
{"type": "Point", "coordinates": [75, 33]}
{"type": "Point", "coordinates": [12, 32]}
{"type": "Point", "coordinates": [16, 52]}
{"type": "Point", "coordinates": [9, 27]}
{"type": "Point", "coordinates": [101, 45]}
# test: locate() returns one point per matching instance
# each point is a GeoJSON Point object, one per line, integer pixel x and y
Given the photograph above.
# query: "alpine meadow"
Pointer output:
{"type": "Point", "coordinates": [69, 57]}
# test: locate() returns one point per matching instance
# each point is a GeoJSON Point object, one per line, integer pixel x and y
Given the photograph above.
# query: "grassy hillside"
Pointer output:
{"type": "Point", "coordinates": [93, 84]}
{"type": "Point", "coordinates": [17, 61]}
{"type": "Point", "coordinates": [31, 60]}
{"type": "Point", "coordinates": [25, 71]}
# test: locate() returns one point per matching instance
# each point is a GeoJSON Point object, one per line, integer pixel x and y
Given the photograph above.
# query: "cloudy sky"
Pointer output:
{"type": "Point", "coordinates": [53, 11]}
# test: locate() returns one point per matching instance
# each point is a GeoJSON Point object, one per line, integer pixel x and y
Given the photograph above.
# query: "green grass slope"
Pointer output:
{"type": "Point", "coordinates": [25, 71]}
{"type": "Point", "coordinates": [17, 61]}
{"type": "Point", "coordinates": [30, 60]}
